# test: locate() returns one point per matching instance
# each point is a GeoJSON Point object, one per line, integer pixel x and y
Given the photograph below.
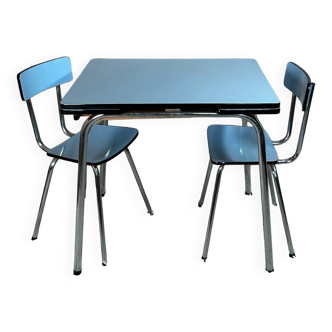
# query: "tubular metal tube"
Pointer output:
{"type": "Point", "coordinates": [206, 183]}
{"type": "Point", "coordinates": [62, 118]}
{"type": "Point", "coordinates": [81, 191]}
{"type": "Point", "coordinates": [100, 216]}
{"type": "Point", "coordinates": [138, 180]}
{"type": "Point", "coordinates": [35, 127]}
{"type": "Point", "coordinates": [103, 170]}
{"type": "Point", "coordinates": [266, 212]}
{"type": "Point", "coordinates": [44, 197]}
{"type": "Point", "coordinates": [283, 211]}
{"type": "Point", "coordinates": [290, 123]}
{"type": "Point", "coordinates": [271, 186]}
{"type": "Point", "coordinates": [247, 173]}
{"type": "Point", "coordinates": [212, 212]}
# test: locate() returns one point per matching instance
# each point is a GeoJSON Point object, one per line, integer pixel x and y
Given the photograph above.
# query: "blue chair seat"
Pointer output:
{"type": "Point", "coordinates": [104, 143]}
{"type": "Point", "coordinates": [235, 145]}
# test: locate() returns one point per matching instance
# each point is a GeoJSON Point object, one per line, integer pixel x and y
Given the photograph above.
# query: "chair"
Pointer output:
{"type": "Point", "coordinates": [236, 145]}
{"type": "Point", "coordinates": [105, 142]}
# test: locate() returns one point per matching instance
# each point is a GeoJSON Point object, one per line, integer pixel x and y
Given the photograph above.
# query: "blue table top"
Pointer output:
{"type": "Point", "coordinates": [221, 85]}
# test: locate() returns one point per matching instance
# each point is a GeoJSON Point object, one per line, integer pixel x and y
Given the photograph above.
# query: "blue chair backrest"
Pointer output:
{"type": "Point", "coordinates": [297, 81]}
{"type": "Point", "coordinates": [44, 76]}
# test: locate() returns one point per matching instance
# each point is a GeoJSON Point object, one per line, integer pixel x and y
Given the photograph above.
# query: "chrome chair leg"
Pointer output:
{"type": "Point", "coordinates": [212, 211]}
{"type": "Point", "coordinates": [138, 180]}
{"type": "Point", "coordinates": [206, 183]}
{"type": "Point", "coordinates": [103, 170]}
{"type": "Point", "coordinates": [103, 179]}
{"type": "Point", "coordinates": [283, 211]}
{"type": "Point", "coordinates": [247, 178]}
{"type": "Point", "coordinates": [271, 186]}
{"type": "Point", "coordinates": [100, 215]}
{"type": "Point", "coordinates": [43, 199]}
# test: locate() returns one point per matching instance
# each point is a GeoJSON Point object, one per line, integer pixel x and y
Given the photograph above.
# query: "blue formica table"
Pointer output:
{"type": "Point", "coordinates": [170, 88]}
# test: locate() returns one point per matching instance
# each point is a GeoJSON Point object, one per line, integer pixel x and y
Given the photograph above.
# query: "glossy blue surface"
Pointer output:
{"type": "Point", "coordinates": [171, 83]}
{"type": "Point", "coordinates": [235, 145]}
{"type": "Point", "coordinates": [104, 143]}
{"type": "Point", "coordinates": [44, 76]}
{"type": "Point", "coordinates": [297, 80]}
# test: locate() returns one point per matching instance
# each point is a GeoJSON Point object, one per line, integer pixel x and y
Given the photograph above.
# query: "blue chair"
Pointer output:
{"type": "Point", "coordinates": [236, 145]}
{"type": "Point", "coordinates": [104, 142]}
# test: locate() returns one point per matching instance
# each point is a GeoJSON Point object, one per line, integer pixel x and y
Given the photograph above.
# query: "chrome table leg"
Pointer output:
{"type": "Point", "coordinates": [81, 191]}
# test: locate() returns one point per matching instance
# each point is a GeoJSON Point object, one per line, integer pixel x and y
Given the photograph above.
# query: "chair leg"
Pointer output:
{"type": "Point", "coordinates": [103, 170]}
{"type": "Point", "coordinates": [212, 211]}
{"type": "Point", "coordinates": [138, 180]}
{"type": "Point", "coordinates": [100, 215]}
{"type": "Point", "coordinates": [247, 178]}
{"type": "Point", "coordinates": [103, 179]}
{"type": "Point", "coordinates": [206, 183]}
{"type": "Point", "coordinates": [43, 199]}
{"type": "Point", "coordinates": [273, 196]}
{"type": "Point", "coordinates": [283, 211]}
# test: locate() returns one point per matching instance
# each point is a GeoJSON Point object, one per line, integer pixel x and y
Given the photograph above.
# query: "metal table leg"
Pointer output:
{"type": "Point", "coordinates": [81, 190]}
{"type": "Point", "coordinates": [265, 196]}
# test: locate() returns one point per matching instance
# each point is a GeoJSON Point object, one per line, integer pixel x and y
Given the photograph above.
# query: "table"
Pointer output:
{"type": "Point", "coordinates": [170, 88]}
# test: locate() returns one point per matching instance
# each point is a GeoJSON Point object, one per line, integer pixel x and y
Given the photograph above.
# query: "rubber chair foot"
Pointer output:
{"type": "Point", "coordinates": [103, 195]}
{"type": "Point", "coordinates": [152, 213]}
{"type": "Point", "coordinates": [104, 265]}
{"type": "Point", "coordinates": [200, 204]}
{"type": "Point", "coordinates": [77, 274]}
{"type": "Point", "coordinates": [270, 270]}
{"type": "Point", "coordinates": [292, 255]}
{"type": "Point", "coordinates": [204, 260]}
{"type": "Point", "coordinates": [34, 239]}
{"type": "Point", "coordinates": [248, 194]}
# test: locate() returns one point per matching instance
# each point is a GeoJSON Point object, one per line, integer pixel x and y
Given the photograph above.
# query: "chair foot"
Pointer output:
{"type": "Point", "coordinates": [200, 204]}
{"type": "Point", "coordinates": [151, 213]}
{"type": "Point", "coordinates": [103, 195]}
{"type": "Point", "coordinates": [35, 239]}
{"type": "Point", "coordinates": [104, 265]}
{"type": "Point", "coordinates": [270, 271]}
{"type": "Point", "coordinates": [77, 274]}
{"type": "Point", "coordinates": [248, 193]}
{"type": "Point", "coordinates": [293, 256]}
{"type": "Point", "coordinates": [204, 260]}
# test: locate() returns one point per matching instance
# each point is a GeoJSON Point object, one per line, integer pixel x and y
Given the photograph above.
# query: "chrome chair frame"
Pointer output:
{"type": "Point", "coordinates": [100, 176]}
{"type": "Point", "coordinates": [271, 167]}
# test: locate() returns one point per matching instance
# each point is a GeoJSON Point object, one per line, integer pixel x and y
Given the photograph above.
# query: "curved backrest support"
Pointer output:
{"type": "Point", "coordinates": [299, 83]}
{"type": "Point", "coordinates": [44, 76]}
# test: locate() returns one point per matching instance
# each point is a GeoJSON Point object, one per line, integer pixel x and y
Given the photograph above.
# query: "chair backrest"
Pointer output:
{"type": "Point", "coordinates": [41, 77]}
{"type": "Point", "coordinates": [299, 83]}
{"type": "Point", "coordinates": [44, 76]}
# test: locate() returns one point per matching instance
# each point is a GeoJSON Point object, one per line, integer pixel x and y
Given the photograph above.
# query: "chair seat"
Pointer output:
{"type": "Point", "coordinates": [104, 143]}
{"type": "Point", "coordinates": [236, 145]}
